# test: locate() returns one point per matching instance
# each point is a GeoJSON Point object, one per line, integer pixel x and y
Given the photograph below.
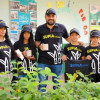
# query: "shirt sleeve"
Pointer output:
{"type": "Point", "coordinates": [83, 51]}
{"type": "Point", "coordinates": [15, 45]}
{"type": "Point", "coordinates": [65, 52]}
{"type": "Point", "coordinates": [34, 50]}
{"type": "Point", "coordinates": [13, 54]}
{"type": "Point", "coordinates": [38, 35]}
{"type": "Point", "coordinates": [65, 33]}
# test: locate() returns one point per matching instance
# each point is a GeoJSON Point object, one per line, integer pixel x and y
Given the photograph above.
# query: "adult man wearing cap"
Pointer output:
{"type": "Point", "coordinates": [50, 35]}
{"type": "Point", "coordinates": [92, 52]}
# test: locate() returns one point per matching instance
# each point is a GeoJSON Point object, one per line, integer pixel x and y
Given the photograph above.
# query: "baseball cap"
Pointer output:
{"type": "Point", "coordinates": [95, 33]}
{"type": "Point", "coordinates": [74, 30]}
{"type": "Point", "coordinates": [26, 28]}
{"type": "Point", "coordinates": [3, 24]}
{"type": "Point", "coordinates": [50, 11]}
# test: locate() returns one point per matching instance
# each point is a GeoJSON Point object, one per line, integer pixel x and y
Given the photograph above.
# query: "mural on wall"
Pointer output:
{"type": "Point", "coordinates": [22, 12]}
{"type": "Point", "coordinates": [94, 17]}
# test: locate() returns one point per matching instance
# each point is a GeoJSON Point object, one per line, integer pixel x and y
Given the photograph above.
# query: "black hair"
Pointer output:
{"type": "Point", "coordinates": [30, 41]}
{"type": "Point", "coordinates": [7, 39]}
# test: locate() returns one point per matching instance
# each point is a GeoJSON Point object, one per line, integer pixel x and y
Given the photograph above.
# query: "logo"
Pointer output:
{"type": "Point", "coordinates": [78, 65]}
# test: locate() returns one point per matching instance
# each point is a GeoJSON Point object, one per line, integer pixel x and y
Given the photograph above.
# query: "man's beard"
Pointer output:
{"type": "Point", "coordinates": [50, 23]}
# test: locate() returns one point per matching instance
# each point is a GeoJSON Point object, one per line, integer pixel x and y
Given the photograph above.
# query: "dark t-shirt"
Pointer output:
{"type": "Point", "coordinates": [53, 38]}
{"type": "Point", "coordinates": [5, 57]}
{"type": "Point", "coordinates": [94, 52]}
{"type": "Point", "coordinates": [26, 63]}
{"type": "Point", "coordinates": [74, 52]}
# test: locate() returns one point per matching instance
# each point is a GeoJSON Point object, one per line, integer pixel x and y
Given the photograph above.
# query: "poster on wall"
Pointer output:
{"type": "Point", "coordinates": [94, 17]}
{"type": "Point", "coordinates": [22, 12]}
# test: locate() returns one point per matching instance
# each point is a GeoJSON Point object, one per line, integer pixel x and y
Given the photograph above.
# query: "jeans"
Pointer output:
{"type": "Point", "coordinates": [57, 69]}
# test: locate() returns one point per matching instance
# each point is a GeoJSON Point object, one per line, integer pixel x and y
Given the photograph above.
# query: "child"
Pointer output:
{"type": "Point", "coordinates": [6, 48]}
{"type": "Point", "coordinates": [73, 51]}
{"type": "Point", "coordinates": [6, 51]}
{"type": "Point", "coordinates": [92, 52]}
{"type": "Point", "coordinates": [27, 46]}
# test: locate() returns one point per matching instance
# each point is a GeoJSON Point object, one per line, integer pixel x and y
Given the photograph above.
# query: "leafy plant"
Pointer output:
{"type": "Point", "coordinates": [25, 88]}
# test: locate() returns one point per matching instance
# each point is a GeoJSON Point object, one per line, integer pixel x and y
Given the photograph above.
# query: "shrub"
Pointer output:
{"type": "Point", "coordinates": [25, 88]}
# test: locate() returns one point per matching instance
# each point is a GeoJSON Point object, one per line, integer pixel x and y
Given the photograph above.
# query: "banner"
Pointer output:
{"type": "Point", "coordinates": [94, 17]}
{"type": "Point", "coordinates": [72, 66]}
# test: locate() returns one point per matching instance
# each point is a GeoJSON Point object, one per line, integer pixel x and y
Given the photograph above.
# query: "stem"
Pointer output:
{"type": "Point", "coordinates": [18, 78]}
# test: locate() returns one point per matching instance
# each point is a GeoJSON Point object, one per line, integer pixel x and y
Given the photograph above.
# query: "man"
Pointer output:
{"type": "Point", "coordinates": [51, 34]}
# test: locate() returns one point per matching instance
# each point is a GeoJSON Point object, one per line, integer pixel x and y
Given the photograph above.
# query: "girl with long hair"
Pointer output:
{"type": "Point", "coordinates": [92, 53]}
{"type": "Point", "coordinates": [6, 48]}
{"type": "Point", "coordinates": [27, 47]}
{"type": "Point", "coordinates": [6, 52]}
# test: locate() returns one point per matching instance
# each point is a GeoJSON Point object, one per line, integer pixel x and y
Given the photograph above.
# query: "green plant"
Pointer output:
{"type": "Point", "coordinates": [6, 89]}
{"type": "Point", "coordinates": [25, 88]}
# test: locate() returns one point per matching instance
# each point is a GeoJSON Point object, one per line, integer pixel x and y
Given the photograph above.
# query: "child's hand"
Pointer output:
{"type": "Point", "coordinates": [41, 46]}
{"type": "Point", "coordinates": [24, 53]}
{"type": "Point", "coordinates": [18, 55]}
{"type": "Point", "coordinates": [64, 57]}
{"type": "Point", "coordinates": [81, 43]}
{"type": "Point", "coordinates": [28, 57]}
{"type": "Point", "coordinates": [32, 58]}
{"type": "Point", "coordinates": [89, 57]}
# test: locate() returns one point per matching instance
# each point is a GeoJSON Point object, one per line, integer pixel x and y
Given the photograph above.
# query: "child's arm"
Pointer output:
{"type": "Point", "coordinates": [83, 53]}
{"type": "Point", "coordinates": [88, 57]}
{"type": "Point", "coordinates": [31, 58]}
{"type": "Point", "coordinates": [81, 43]}
{"type": "Point", "coordinates": [64, 57]}
{"type": "Point", "coordinates": [83, 57]}
{"type": "Point", "coordinates": [34, 56]}
{"type": "Point", "coordinates": [17, 51]}
{"type": "Point", "coordinates": [65, 53]}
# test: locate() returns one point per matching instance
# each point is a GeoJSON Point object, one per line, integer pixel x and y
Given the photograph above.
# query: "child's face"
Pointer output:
{"type": "Point", "coordinates": [95, 40]}
{"type": "Point", "coordinates": [74, 37]}
{"type": "Point", "coordinates": [26, 35]}
{"type": "Point", "coordinates": [2, 31]}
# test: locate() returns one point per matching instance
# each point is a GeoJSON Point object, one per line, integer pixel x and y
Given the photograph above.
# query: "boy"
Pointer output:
{"type": "Point", "coordinates": [73, 51]}
{"type": "Point", "coordinates": [92, 52]}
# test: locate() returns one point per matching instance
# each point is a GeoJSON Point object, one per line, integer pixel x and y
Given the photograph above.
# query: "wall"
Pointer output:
{"type": "Point", "coordinates": [4, 12]}
{"type": "Point", "coordinates": [67, 15]}
{"type": "Point", "coordinates": [71, 14]}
